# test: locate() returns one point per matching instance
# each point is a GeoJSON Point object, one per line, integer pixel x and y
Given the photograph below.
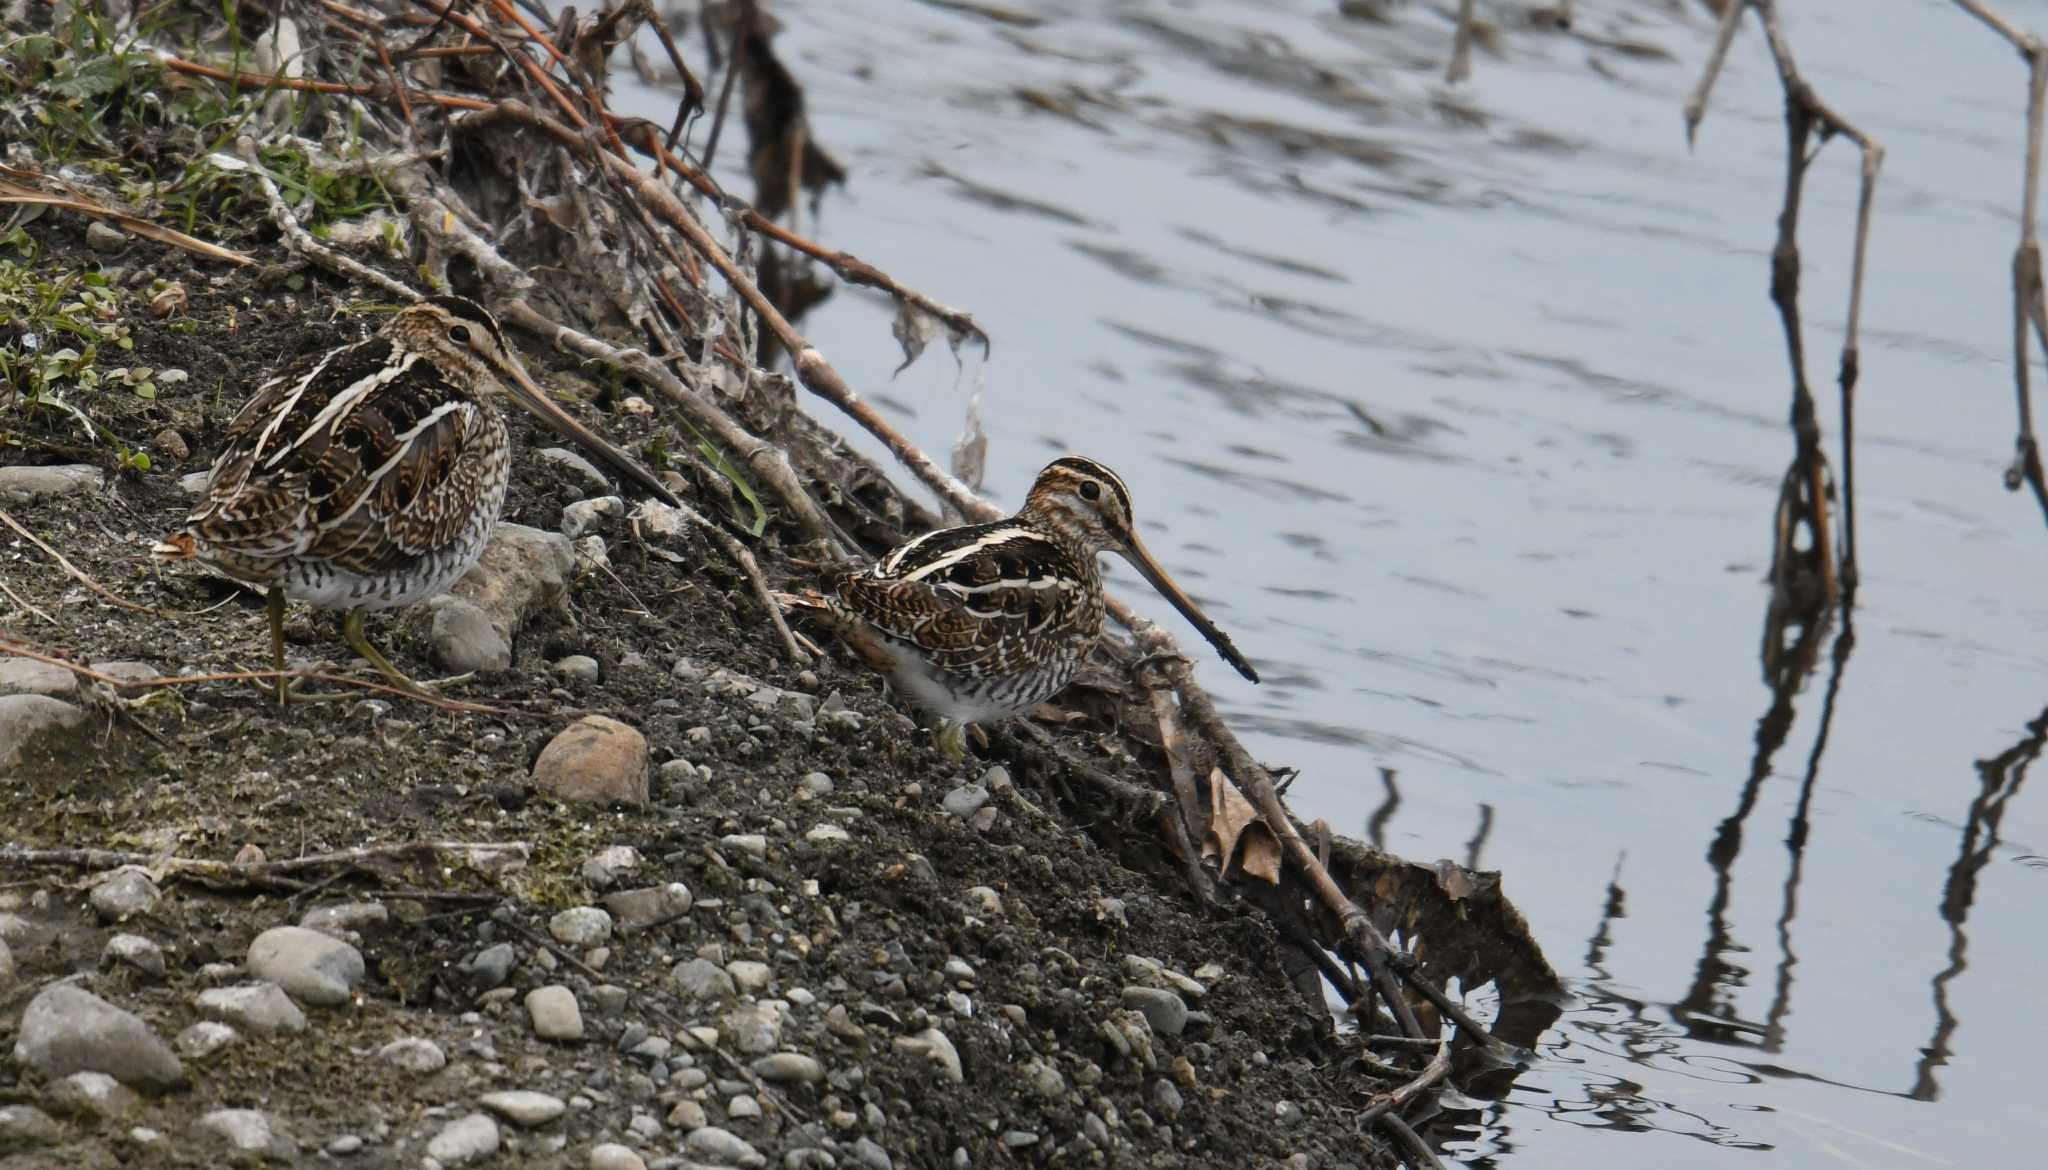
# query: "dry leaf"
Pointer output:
{"type": "Point", "coordinates": [1455, 880]}
{"type": "Point", "coordinates": [1261, 854]}
{"type": "Point", "coordinates": [1232, 819]}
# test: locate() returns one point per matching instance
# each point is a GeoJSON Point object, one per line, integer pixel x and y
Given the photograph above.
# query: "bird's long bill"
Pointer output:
{"type": "Point", "coordinates": [534, 399]}
{"type": "Point", "coordinates": [1139, 556]}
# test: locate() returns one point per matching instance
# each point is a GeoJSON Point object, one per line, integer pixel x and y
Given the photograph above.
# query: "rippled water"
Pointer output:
{"type": "Point", "coordinates": [1463, 410]}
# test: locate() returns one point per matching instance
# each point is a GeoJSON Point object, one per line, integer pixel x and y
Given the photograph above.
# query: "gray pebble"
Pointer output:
{"type": "Point", "coordinates": [244, 1130]}
{"type": "Point", "coordinates": [465, 640]}
{"type": "Point", "coordinates": [936, 1047]}
{"type": "Point", "coordinates": [344, 919]}
{"type": "Point", "coordinates": [1163, 1009]}
{"type": "Point", "coordinates": [464, 1140]}
{"type": "Point", "coordinates": [789, 1066]}
{"type": "Point", "coordinates": [581, 926]}
{"type": "Point", "coordinates": [346, 1144]}
{"type": "Point", "coordinates": [91, 1095]}
{"type": "Point", "coordinates": [491, 966]}
{"type": "Point", "coordinates": [574, 467]}
{"type": "Point", "coordinates": [752, 843]}
{"type": "Point", "coordinates": [720, 1145]}
{"type": "Point", "coordinates": [585, 515]}
{"type": "Point", "coordinates": [25, 1125]}
{"type": "Point", "coordinates": [965, 800]}
{"type": "Point", "coordinates": [577, 667]}
{"type": "Point", "coordinates": [66, 1029]}
{"type": "Point", "coordinates": [639, 909]}
{"type": "Point", "coordinates": [523, 1107]}
{"type": "Point", "coordinates": [26, 676]}
{"type": "Point", "coordinates": [20, 485]}
{"type": "Point", "coordinates": [1166, 1100]}
{"type": "Point", "coordinates": [1017, 1139]}
{"type": "Point", "coordinates": [257, 1007]}
{"type": "Point", "coordinates": [24, 718]}
{"type": "Point", "coordinates": [742, 1108]}
{"type": "Point", "coordinates": [613, 1156]}
{"type": "Point", "coordinates": [313, 967]}
{"type": "Point", "coordinates": [201, 1040]}
{"type": "Point", "coordinates": [102, 238]}
{"type": "Point", "coordinates": [687, 1115]}
{"type": "Point", "coordinates": [754, 1029]}
{"type": "Point", "coordinates": [868, 1154]}
{"type": "Point", "coordinates": [748, 975]}
{"type": "Point", "coordinates": [703, 979]}
{"type": "Point", "coordinates": [816, 783]}
{"type": "Point", "coordinates": [554, 1013]}
{"type": "Point", "coordinates": [413, 1054]}
{"type": "Point", "coordinates": [136, 951]}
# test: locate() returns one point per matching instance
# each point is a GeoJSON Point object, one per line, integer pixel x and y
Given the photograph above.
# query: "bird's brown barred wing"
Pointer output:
{"type": "Point", "coordinates": [970, 596]}
{"type": "Point", "coordinates": [349, 456]}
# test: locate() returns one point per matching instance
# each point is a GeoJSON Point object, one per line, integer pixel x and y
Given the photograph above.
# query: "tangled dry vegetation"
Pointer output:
{"type": "Point", "coordinates": [351, 153]}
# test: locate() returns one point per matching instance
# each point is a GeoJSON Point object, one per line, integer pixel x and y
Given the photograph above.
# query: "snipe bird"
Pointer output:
{"type": "Point", "coordinates": [990, 620]}
{"type": "Point", "coordinates": [371, 476]}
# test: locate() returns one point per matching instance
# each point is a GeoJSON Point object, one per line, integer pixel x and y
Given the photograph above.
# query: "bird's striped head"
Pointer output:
{"type": "Point", "coordinates": [1084, 501]}
{"type": "Point", "coordinates": [1089, 505]}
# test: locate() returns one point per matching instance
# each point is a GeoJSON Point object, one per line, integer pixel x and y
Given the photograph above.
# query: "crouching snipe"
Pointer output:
{"type": "Point", "coordinates": [370, 476]}
{"type": "Point", "coordinates": [990, 620]}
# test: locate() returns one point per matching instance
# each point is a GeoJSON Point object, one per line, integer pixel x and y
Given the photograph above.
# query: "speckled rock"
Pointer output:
{"type": "Point", "coordinates": [522, 571]}
{"type": "Point", "coordinates": [67, 1029]}
{"type": "Point", "coordinates": [581, 926]}
{"type": "Point", "coordinates": [314, 968]}
{"type": "Point", "coordinates": [596, 759]}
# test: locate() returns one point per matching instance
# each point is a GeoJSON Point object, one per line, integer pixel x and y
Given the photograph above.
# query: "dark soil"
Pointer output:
{"type": "Point", "coordinates": [867, 923]}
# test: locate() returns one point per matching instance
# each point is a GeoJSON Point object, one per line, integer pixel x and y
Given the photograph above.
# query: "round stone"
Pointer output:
{"type": "Point", "coordinates": [581, 926]}
{"type": "Point", "coordinates": [66, 1029]}
{"type": "Point", "coordinates": [789, 1066]}
{"type": "Point", "coordinates": [597, 760]}
{"type": "Point", "coordinates": [613, 1156]}
{"type": "Point", "coordinates": [315, 968]}
{"type": "Point", "coordinates": [554, 1013]}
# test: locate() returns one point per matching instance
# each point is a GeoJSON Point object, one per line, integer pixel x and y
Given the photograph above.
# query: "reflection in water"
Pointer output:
{"type": "Point", "coordinates": [2002, 774]}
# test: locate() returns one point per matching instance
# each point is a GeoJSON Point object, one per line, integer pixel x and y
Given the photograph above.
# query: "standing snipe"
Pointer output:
{"type": "Point", "coordinates": [991, 620]}
{"type": "Point", "coordinates": [370, 476]}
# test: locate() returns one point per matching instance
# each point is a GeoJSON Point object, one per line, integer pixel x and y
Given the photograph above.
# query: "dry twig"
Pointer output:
{"type": "Point", "coordinates": [1806, 491]}
{"type": "Point", "coordinates": [2028, 307]}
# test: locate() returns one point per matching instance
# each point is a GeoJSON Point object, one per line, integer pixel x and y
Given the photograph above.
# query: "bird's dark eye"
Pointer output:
{"type": "Point", "coordinates": [1090, 490]}
{"type": "Point", "coordinates": [459, 334]}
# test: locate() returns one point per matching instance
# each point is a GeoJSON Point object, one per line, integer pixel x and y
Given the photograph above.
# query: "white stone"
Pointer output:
{"type": "Point", "coordinates": [464, 1140]}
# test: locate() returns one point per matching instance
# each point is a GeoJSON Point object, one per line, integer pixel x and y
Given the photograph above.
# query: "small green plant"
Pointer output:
{"type": "Point", "coordinates": [59, 326]}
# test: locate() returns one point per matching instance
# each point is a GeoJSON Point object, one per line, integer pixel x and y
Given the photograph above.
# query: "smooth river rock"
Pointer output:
{"type": "Point", "coordinates": [67, 1029]}
{"type": "Point", "coordinates": [595, 759]}
{"type": "Point", "coordinates": [314, 968]}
